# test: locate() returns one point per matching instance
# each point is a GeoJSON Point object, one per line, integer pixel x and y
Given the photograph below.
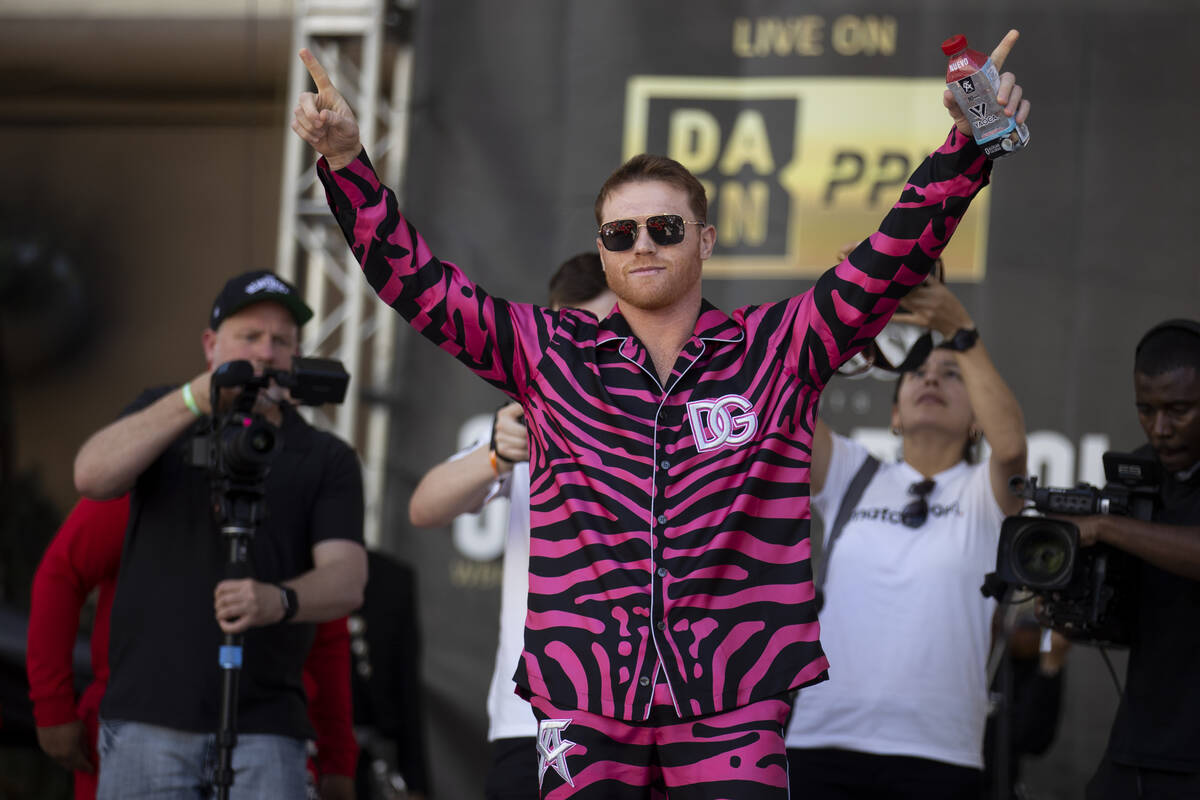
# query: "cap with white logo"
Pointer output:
{"type": "Point", "coordinates": [255, 287]}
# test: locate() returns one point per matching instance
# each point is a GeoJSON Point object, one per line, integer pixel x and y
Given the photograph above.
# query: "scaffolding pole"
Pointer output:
{"type": "Point", "coordinates": [350, 39]}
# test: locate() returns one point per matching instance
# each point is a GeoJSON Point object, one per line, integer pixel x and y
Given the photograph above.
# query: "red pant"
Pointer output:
{"type": "Point", "coordinates": [736, 754]}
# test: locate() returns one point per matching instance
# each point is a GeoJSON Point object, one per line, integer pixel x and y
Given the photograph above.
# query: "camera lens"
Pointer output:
{"type": "Point", "coordinates": [261, 441]}
{"type": "Point", "coordinates": [248, 448]}
{"type": "Point", "coordinates": [1044, 555]}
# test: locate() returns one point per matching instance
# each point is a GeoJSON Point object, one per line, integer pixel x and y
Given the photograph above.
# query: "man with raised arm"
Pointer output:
{"type": "Point", "coordinates": [671, 612]}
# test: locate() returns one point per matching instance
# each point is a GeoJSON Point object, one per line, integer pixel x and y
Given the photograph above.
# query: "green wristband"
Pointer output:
{"type": "Point", "coordinates": [189, 400]}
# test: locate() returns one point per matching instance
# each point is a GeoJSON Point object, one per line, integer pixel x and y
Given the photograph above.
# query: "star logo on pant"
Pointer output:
{"type": "Point", "coordinates": [552, 749]}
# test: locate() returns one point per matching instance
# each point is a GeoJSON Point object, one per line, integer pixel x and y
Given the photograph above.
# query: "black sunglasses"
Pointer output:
{"type": "Point", "coordinates": [915, 513]}
{"type": "Point", "coordinates": [664, 229]}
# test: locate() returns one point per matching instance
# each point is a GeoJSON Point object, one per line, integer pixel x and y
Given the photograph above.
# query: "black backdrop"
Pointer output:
{"type": "Point", "coordinates": [1082, 242]}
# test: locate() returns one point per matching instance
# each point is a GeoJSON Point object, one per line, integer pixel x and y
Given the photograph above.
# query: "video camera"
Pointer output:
{"type": "Point", "coordinates": [1087, 592]}
{"type": "Point", "coordinates": [239, 445]}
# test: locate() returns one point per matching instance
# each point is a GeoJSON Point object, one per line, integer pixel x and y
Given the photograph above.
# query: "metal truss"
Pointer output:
{"type": "Point", "coordinates": [351, 39]}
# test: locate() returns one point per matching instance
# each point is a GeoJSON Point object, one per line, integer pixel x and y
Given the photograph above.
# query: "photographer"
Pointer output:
{"type": "Point", "coordinates": [906, 546]}
{"type": "Point", "coordinates": [160, 711]}
{"type": "Point", "coordinates": [1154, 747]}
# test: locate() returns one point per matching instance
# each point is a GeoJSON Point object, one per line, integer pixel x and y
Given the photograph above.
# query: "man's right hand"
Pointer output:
{"type": "Point", "coordinates": [201, 387]}
{"type": "Point", "coordinates": [324, 119]}
{"type": "Point", "coordinates": [67, 745]}
{"type": "Point", "coordinates": [202, 394]}
{"type": "Point", "coordinates": [266, 403]}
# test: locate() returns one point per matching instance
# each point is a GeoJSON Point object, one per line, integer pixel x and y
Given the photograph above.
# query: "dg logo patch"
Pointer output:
{"type": "Point", "coordinates": [726, 422]}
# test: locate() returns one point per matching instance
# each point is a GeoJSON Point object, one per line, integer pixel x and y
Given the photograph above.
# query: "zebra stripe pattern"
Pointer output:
{"type": "Point", "coordinates": [669, 522]}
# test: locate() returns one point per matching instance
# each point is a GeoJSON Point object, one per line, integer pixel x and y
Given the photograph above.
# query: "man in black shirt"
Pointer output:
{"type": "Point", "coordinates": [1154, 748]}
{"type": "Point", "coordinates": [171, 607]}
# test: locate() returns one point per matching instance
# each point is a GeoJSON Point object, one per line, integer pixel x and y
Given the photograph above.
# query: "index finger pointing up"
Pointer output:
{"type": "Point", "coordinates": [319, 75]}
{"type": "Point", "coordinates": [998, 55]}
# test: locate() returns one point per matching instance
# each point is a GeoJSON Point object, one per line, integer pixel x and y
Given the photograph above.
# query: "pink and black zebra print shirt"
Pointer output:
{"type": "Point", "coordinates": [669, 523]}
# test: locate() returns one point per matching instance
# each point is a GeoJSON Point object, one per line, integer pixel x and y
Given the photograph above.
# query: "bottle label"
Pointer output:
{"type": "Point", "coordinates": [976, 96]}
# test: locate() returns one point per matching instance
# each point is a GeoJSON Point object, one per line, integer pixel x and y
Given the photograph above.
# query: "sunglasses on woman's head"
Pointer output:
{"type": "Point", "coordinates": [915, 513]}
{"type": "Point", "coordinates": [664, 229]}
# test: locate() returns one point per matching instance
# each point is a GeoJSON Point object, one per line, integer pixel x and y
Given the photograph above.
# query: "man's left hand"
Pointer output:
{"type": "Point", "coordinates": [243, 604]}
{"type": "Point", "coordinates": [1009, 93]}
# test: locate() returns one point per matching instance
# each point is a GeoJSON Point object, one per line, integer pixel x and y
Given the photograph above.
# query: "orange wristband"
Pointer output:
{"type": "Point", "coordinates": [495, 465]}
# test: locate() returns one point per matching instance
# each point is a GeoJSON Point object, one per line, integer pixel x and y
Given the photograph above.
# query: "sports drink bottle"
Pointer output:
{"type": "Point", "coordinates": [974, 80]}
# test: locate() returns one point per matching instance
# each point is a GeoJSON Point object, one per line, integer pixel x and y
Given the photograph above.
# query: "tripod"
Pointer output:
{"type": "Point", "coordinates": [241, 508]}
{"type": "Point", "coordinates": [237, 450]}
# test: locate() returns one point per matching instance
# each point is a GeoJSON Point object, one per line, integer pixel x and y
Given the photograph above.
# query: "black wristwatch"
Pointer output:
{"type": "Point", "coordinates": [290, 603]}
{"type": "Point", "coordinates": [962, 340]}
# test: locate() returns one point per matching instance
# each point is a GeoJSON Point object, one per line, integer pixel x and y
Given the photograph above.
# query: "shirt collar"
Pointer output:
{"type": "Point", "coordinates": [712, 325]}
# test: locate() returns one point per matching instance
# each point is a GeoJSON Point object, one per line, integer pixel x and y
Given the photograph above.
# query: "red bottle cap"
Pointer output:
{"type": "Point", "coordinates": [955, 44]}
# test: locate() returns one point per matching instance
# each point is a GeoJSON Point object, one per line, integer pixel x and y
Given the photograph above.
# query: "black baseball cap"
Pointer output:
{"type": "Point", "coordinates": [255, 287]}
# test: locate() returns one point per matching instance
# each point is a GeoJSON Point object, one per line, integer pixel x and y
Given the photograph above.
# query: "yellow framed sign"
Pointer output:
{"type": "Point", "coordinates": [797, 167]}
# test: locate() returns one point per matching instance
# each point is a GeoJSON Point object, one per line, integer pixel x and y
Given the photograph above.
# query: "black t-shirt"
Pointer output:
{"type": "Point", "coordinates": [163, 648]}
{"type": "Point", "coordinates": [1158, 722]}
